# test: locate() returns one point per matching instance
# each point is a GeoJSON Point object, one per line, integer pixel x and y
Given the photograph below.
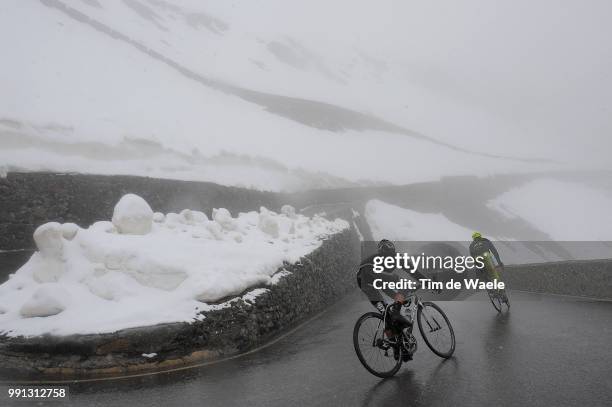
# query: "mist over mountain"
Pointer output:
{"type": "Point", "coordinates": [288, 96]}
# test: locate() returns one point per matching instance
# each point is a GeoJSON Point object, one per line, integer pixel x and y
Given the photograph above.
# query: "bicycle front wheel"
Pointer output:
{"type": "Point", "coordinates": [373, 349]}
{"type": "Point", "coordinates": [436, 330]}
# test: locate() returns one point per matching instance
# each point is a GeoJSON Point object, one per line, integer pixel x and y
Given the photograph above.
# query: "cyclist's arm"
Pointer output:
{"type": "Point", "coordinates": [390, 278]}
{"type": "Point", "coordinates": [396, 295]}
{"type": "Point", "coordinates": [368, 277]}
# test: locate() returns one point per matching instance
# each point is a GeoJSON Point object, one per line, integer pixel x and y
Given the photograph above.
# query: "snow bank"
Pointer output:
{"type": "Point", "coordinates": [394, 223]}
{"type": "Point", "coordinates": [113, 276]}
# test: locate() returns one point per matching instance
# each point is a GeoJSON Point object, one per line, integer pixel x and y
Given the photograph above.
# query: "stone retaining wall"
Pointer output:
{"type": "Point", "coordinates": [584, 278]}
{"type": "Point", "coordinates": [31, 199]}
{"type": "Point", "coordinates": [315, 282]}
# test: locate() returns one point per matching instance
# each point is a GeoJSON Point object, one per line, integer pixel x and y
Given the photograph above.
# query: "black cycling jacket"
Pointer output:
{"type": "Point", "coordinates": [366, 277]}
{"type": "Point", "coordinates": [482, 245]}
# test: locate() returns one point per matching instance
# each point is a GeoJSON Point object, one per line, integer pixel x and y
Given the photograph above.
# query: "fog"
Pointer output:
{"type": "Point", "coordinates": [326, 94]}
{"type": "Point", "coordinates": [517, 75]}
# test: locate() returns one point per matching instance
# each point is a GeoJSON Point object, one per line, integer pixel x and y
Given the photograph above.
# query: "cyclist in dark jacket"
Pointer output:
{"type": "Point", "coordinates": [365, 281]}
{"type": "Point", "coordinates": [480, 245]}
{"type": "Point", "coordinates": [366, 277]}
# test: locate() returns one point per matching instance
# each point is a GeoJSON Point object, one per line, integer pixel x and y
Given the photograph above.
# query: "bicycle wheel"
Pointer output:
{"type": "Point", "coordinates": [496, 299]}
{"type": "Point", "coordinates": [436, 330]}
{"type": "Point", "coordinates": [373, 349]}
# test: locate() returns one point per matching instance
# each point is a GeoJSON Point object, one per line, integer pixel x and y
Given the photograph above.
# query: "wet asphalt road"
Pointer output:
{"type": "Point", "coordinates": [547, 351]}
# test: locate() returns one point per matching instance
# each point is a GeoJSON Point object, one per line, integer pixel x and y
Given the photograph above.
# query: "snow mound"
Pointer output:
{"type": "Point", "coordinates": [48, 239]}
{"type": "Point", "coordinates": [193, 217]}
{"type": "Point", "coordinates": [288, 211]}
{"type": "Point", "coordinates": [268, 223]}
{"type": "Point", "coordinates": [133, 215]}
{"type": "Point", "coordinates": [223, 217]}
{"type": "Point", "coordinates": [105, 277]}
{"type": "Point", "coordinates": [69, 230]}
{"type": "Point", "coordinates": [47, 300]}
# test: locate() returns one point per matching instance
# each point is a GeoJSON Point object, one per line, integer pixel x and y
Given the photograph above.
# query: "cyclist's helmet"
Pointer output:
{"type": "Point", "coordinates": [476, 235]}
{"type": "Point", "coordinates": [386, 248]}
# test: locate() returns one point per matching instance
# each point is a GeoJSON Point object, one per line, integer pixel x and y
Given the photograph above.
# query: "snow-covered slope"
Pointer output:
{"type": "Point", "coordinates": [574, 220]}
{"type": "Point", "coordinates": [145, 268]}
{"type": "Point", "coordinates": [388, 221]}
{"type": "Point", "coordinates": [565, 211]}
{"type": "Point", "coordinates": [271, 95]}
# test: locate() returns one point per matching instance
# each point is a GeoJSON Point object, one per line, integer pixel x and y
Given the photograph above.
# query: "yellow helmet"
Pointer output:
{"type": "Point", "coordinates": [476, 235]}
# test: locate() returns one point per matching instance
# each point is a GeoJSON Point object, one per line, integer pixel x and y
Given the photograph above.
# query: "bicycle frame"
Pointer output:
{"type": "Point", "coordinates": [435, 326]}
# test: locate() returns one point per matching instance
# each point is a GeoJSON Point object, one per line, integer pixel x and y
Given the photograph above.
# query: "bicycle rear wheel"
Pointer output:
{"type": "Point", "coordinates": [373, 349]}
{"type": "Point", "coordinates": [436, 330]}
{"type": "Point", "coordinates": [496, 299]}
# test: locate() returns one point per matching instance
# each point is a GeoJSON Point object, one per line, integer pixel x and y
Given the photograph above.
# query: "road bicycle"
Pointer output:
{"type": "Point", "coordinates": [491, 272]}
{"type": "Point", "coordinates": [383, 354]}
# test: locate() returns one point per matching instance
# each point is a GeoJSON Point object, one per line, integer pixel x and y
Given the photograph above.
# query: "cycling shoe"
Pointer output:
{"type": "Point", "coordinates": [406, 357]}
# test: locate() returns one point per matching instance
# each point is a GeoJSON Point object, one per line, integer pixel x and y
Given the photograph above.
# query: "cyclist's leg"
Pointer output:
{"type": "Point", "coordinates": [401, 326]}
{"type": "Point", "coordinates": [485, 272]}
{"type": "Point", "coordinates": [398, 319]}
{"type": "Point", "coordinates": [495, 274]}
{"type": "Point", "coordinates": [380, 307]}
{"type": "Point", "coordinates": [389, 331]}
{"type": "Point", "coordinates": [496, 277]}
{"type": "Point", "coordinates": [499, 270]}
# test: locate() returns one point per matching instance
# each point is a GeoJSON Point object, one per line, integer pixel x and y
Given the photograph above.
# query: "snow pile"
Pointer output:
{"type": "Point", "coordinates": [288, 210]}
{"type": "Point", "coordinates": [48, 239]}
{"type": "Point", "coordinates": [47, 300]}
{"type": "Point", "coordinates": [133, 215]}
{"type": "Point", "coordinates": [224, 219]}
{"type": "Point", "coordinates": [563, 210]}
{"type": "Point", "coordinates": [117, 275]}
{"type": "Point", "coordinates": [267, 223]}
{"type": "Point", "coordinates": [69, 230]}
{"type": "Point", "coordinates": [394, 223]}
